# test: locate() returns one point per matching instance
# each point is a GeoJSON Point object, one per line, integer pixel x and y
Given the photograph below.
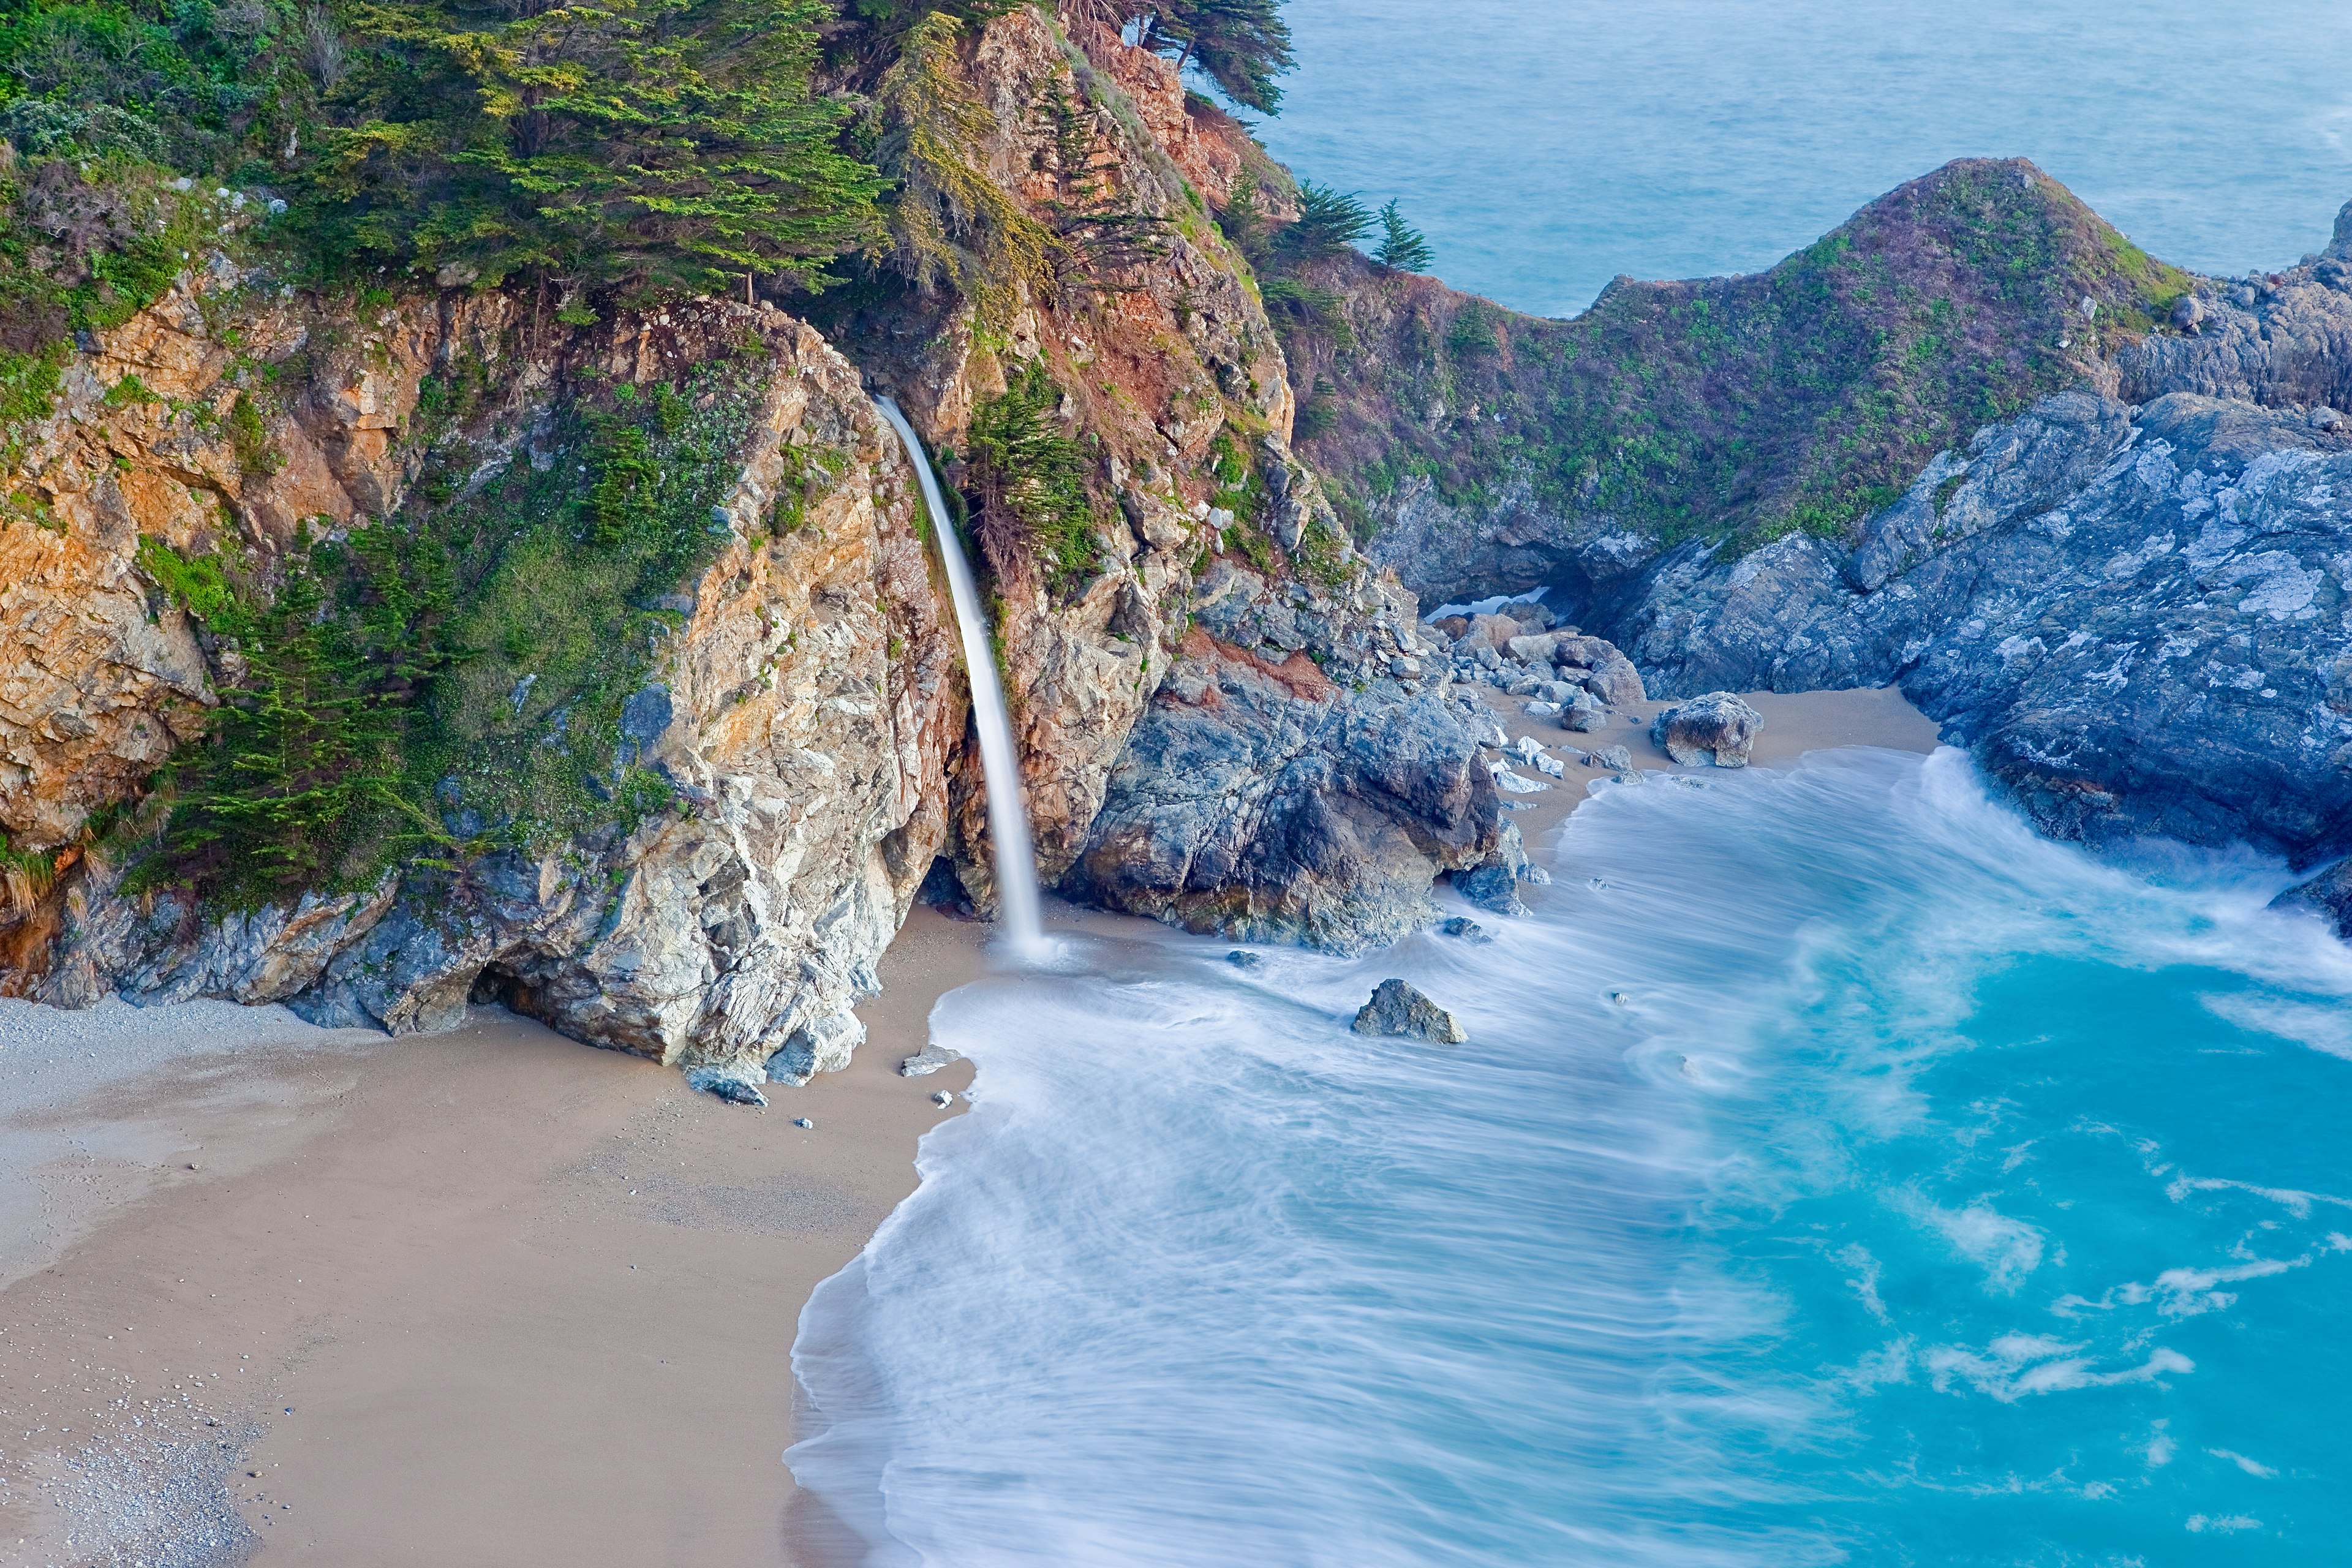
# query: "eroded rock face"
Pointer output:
{"type": "Point", "coordinates": [803, 712]}
{"type": "Point", "coordinates": [2156, 648]}
{"type": "Point", "coordinates": [1284, 785]}
{"type": "Point", "coordinates": [100, 677]}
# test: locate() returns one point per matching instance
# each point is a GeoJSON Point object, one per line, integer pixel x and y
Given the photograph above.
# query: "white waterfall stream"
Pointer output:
{"type": "Point", "coordinates": [1008, 813]}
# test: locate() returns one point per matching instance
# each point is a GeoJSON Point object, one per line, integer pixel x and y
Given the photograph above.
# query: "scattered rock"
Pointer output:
{"type": "Point", "coordinates": [729, 1087]}
{"type": "Point", "coordinates": [804, 1123]}
{"type": "Point", "coordinates": [1240, 959]}
{"type": "Point", "coordinates": [1465, 928]}
{"type": "Point", "coordinates": [1616, 759]}
{"type": "Point", "coordinates": [1396, 1008]}
{"type": "Point", "coordinates": [1718, 727]}
{"type": "Point", "coordinates": [926, 1061]}
{"type": "Point", "coordinates": [943, 1098]}
{"type": "Point", "coordinates": [1584, 714]}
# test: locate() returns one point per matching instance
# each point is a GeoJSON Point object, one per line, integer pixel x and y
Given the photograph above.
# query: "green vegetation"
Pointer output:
{"type": "Point", "coordinates": [1240, 45]}
{"type": "Point", "coordinates": [951, 223]}
{"type": "Point", "coordinates": [1799, 399]}
{"type": "Point", "coordinates": [648, 143]}
{"type": "Point", "coordinates": [454, 677]}
{"type": "Point", "coordinates": [1403, 247]}
{"type": "Point", "coordinates": [1032, 482]}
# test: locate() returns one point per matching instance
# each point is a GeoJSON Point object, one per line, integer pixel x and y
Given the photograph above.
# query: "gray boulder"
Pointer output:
{"type": "Point", "coordinates": [1616, 759]}
{"type": "Point", "coordinates": [1396, 1008]}
{"type": "Point", "coordinates": [1718, 727]}
{"type": "Point", "coordinates": [1584, 714]}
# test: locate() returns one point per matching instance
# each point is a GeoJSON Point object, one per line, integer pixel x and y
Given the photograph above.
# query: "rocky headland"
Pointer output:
{"type": "Point", "coordinates": [383, 649]}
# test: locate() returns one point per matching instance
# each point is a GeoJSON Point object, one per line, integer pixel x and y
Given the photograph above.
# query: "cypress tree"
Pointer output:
{"type": "Point", "coordinates": [1403, 247]}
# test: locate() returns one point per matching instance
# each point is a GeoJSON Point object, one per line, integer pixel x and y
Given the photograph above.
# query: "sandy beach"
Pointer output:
{"type": "Point", "coordinates": [483, 1298]}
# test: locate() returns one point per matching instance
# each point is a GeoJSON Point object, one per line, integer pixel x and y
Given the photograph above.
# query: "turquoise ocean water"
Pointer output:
{"type": "Point", "coordinates": [1836, 1173]}
{"type": "Point", "coordinates": [1548, 147]}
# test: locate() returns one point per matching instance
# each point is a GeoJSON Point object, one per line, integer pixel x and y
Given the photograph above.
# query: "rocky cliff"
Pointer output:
{"type": "Point", "coordinates": [384, 653]}
{"type": "Point", "coordinates": [2123, 592]}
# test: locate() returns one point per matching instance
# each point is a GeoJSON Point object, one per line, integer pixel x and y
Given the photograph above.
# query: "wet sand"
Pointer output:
{"type": "Point", "coordinates": [487, 1297]}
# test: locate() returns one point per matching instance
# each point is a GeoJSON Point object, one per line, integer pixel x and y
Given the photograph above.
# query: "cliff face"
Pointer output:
{"type": "Point", "coordinates": [1172, 377]}
{"type": "Point", "coordinates": [797, 695]}
{"type": "Point", "coordinates": [616, 644]}
{"type": "Point", "coordinates": [2124, 597]}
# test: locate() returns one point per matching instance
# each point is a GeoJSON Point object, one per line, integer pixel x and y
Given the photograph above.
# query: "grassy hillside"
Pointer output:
{"type": "Point", "coordinates": [1803, 397]}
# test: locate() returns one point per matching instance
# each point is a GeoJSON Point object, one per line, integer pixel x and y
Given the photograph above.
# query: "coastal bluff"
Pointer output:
{"type": "Point", "coordinates": [380, 655]}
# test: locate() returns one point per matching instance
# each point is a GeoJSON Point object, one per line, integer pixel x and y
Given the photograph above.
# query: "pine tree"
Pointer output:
{"type": "Point", "coordinates": [669, 143]}
{"type": "Point", "coordinates": [1240, 44]}
{"type": "Point", "coordinates": [1329, 221]}
{"type": "Point", "coordinates": [1403, 247]}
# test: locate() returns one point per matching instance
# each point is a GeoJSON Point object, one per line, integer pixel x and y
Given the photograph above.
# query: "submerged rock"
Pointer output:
{"type": "Point", "coordinates": [1718, 727]}
{"type": "Point", "coordinates": [1396, 1008]}
{"type": "Point", "coordinates": [1240, 959]}
{"type": "Point", "coordinates": [1463, 927]}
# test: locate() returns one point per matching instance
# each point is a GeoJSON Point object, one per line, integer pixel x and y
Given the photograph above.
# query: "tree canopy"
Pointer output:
{"type": "Point", "coordinates": [1240, 45]}
{"type": "Point", "coordinates": [669, 143]}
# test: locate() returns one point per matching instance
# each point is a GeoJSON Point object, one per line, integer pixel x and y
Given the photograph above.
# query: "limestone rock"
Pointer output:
{"type": "Point", "coordinates": [1396, 1008]}
{"type": "Point", "coordinates": [1718, 727]}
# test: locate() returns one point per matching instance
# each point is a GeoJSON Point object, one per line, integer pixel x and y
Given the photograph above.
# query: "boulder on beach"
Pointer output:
{"type": "Point", "coordinates": [1584, 714]}
{"type": "Point", "coordinates": [1616, 759]}
{"type": "Point", "coordinates": [733, 1088]}
{"type": "Point", "coordinates": [1718, 727]}
{"type": "Point", "coordinates": [1396, 1008]}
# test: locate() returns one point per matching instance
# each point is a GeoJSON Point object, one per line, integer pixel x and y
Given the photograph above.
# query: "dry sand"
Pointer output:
{"type": "Point", "coordinates": [487, 1297]}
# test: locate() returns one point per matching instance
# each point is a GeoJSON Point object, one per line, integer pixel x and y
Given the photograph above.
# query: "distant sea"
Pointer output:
{"type": "Point", "coordinates": [1547, 145]}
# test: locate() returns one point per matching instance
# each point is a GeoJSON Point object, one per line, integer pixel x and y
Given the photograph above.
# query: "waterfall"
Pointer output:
{"type": "Point", "coordinates": [1008, 813]}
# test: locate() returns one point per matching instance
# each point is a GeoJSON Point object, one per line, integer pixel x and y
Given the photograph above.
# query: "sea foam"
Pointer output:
{"type": "Point", "coordinates": [1836, 1172]}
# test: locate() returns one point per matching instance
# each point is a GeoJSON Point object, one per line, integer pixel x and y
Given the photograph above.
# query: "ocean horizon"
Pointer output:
{"type": "Point", "coordinates": [1545, 150]}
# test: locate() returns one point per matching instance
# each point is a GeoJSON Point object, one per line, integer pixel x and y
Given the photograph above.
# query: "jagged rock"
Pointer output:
{"type": "Point", "coordinates": [1493, 883]}
{"type": "Point", "coordinates": [2153, 651]}
{"type": "Point", "coordinates": [2327, 895]}
{"type": "Point", "coordinates": [1718, 727]}
{"type": "Point", "coordinates": [1463, 927]}
{"type": "Point", "coordinates": [729, 1087]}
{"type": "Point", "coordinates": [1396, 1008]}
{"type": "Point", "coordinates": [737, 934]}
{"type": "Point", "coordinates": [929, 1061]}
{"type": "Point", "coordinates": [1617, 759]}
{"type": "Point", "coordinates": [1615, 681]}
{"type": "Point", "coordinates": [943, 1098]}
{"type": "Point", "coordinates": [1260, 799]}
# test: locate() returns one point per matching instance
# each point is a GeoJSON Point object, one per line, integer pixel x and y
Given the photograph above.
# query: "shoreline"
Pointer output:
{"type": "Point", "coordinates": [482, 1296]}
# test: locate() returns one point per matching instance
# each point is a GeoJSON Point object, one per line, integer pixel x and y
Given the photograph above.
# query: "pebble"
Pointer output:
{"type": "Point", "coordinates": [804, 1124]}
{"type": "Point", "coordinates": [943, 1098]}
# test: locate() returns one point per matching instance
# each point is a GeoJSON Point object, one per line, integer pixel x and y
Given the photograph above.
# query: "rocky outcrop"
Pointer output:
{"type": "Point", "coordinates": [803, 711]}
{"type": "Point", "coordinates": [1396, 1008]}
{"type": "Point", "coordinates": [2157, 650]}
{"type": "Point", "coordinates": [1496, 453]}
{"type": "Point", "coordinates": [800, 711]}
{"type": "Point", "coordinates": [1297, 777]}
{"type": "Point", "coordinates": [1717, 728]}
